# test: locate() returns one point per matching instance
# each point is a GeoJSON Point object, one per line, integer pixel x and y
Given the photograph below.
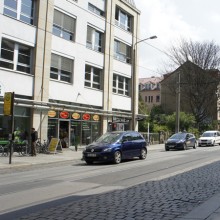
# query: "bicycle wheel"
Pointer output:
{"type": "Point", "coordinates": [1, 150]}
{"type": "Point", "coordinates": [24, 150]}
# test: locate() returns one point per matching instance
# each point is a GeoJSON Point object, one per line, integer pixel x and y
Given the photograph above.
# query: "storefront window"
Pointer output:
{"type": "Point", "coordinates": [86, 132]}
{"type": "Point", "coordinates": [52, 128]}
{"type": "Point", "coordinates": [95, 131]}
{"type": "Point", "coordinates": [75, 133]}
{"type": "Point", "coordinates": [21, 121]}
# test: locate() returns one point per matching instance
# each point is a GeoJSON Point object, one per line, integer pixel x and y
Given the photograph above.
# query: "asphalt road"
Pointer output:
{"type": "Point", "coordinates": [167, 185]}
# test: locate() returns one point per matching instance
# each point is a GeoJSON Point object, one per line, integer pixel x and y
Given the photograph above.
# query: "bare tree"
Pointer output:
{"type": "Point", "coordinates": [198, 65]}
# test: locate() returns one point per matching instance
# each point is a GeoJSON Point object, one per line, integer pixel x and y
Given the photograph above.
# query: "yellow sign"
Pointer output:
{"type": "Point", "coordinates": [8, 103]}
{"type": "Point", "coordinates": [54, 144]}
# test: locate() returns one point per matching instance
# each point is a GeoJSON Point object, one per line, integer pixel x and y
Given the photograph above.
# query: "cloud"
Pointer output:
{"type": "Point", "coordinates": [169, 21]}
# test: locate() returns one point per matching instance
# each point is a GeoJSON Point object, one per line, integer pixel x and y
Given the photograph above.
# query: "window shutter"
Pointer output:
{"type": "Point", "coordinates": [55, 61]}
{"type": "Point", "coordinates": [123, 48]}
{"type": "Point", "coordinates": [69, 23]}
{"type": "Point", "coordinates": [57, 18]}
{"type": "Point", "coordinates": [89, 34]}
{"type": "Point", "coordinates": [66, 64]}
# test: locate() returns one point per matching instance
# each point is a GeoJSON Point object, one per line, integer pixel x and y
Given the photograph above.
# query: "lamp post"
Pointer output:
{"type": "Point", "coordinates": [134, 81]}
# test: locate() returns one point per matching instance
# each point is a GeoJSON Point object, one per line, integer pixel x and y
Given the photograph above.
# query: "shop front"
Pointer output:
{"type": "Point", "coordinates": [73, 128]}
{"type": "Point", "coordinates": [21, 122]}
{"type": "Point", "coordinates": [118, 124]}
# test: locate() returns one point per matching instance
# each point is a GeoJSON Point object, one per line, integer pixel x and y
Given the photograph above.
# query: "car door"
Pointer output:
{"type": "Point", "coordinates": [137, 144]}
{"type": "Point", "coordinates": [189, 140]}
{"type": "Point", "coordinates": [126, 146]}
{"type": "Point", "coordinates": [218, 138]}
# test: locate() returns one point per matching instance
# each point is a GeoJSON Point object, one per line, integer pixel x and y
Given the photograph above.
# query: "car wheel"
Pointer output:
{"type": "Point", "coordinates": [143, 154]}
{"type": "Point", "coordinates": [167, 149]}
{"type": "Point", "coordinates": [195, 145]}
{"type": "Point", "coordinates": [213, 143]}
{"type": "Point", "coordinates": [89, 161]}
{"type": "Point", "coordinates": [184, 146]}
{"type": "Point", "coordinates": [117, 157]}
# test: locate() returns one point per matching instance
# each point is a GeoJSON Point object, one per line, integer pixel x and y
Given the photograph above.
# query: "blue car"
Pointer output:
{"type": "Point", "coordinates": [116, 146]}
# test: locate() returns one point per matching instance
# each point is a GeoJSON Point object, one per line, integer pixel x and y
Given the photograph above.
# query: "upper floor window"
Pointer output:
{"type": "Point", "coordinates": [61, 68]}
{"type": "Point", "coordinates": [145, 98]}
{"type": "Point", "coordinates": [150, 99]}
{"type": "Point", "coordinates": [123, 19]}
{"type": "Point", "coordinates": [94, 39]}
{"type": "Point", "coordinates": [95, 10]}
{"type": "Point", "coordinates": [15, 56]}
{"type": "Point", "coordinates": [93, 77]}
{"type": "Point", "coordinates": [64, 26]}
{"type": "Point", "coordinates": [20, 9]}
{"type": "Point", "coordinates": [122, 51]}
{"type": "Point", "coordinates": [121, 85]}
{"type": "Point", "coordinates": [157, 98]}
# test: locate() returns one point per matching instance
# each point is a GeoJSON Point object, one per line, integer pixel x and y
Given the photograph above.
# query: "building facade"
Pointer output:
{"type": "Point", "coordinates": [192, 90]}
{"type": "Point", "coordinates": [70, 65]}
{"type": "Point", "coordinates": [149, 89]}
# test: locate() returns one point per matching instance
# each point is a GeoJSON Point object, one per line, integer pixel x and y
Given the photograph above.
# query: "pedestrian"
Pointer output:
{"type": "Point", "coordinates": [34, 137]}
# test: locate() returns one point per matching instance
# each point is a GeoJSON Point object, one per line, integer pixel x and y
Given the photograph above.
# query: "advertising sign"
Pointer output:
{"type": "Point", "coordinates": [8, 103]}
{"type": "Point", "coordinates": [54, 145]}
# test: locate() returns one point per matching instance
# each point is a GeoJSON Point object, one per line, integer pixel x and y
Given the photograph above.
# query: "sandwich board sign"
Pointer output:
{"type": "Point", "coordinates": [55, 145]}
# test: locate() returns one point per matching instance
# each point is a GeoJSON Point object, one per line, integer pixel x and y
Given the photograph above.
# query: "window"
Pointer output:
{"type": "Point", "coordinates": [157, 98]}
{"type": "Point", "coordinates": [122, 52]}
{"type": "Point", "coordinates": [15, 56]}
{"type": "Point", "coordinates": [94, 39]}
{"type": "Point", "coordinates": [20, 9]}
{"type": "Point", "coordinates": [64, 26]}
{"type": "Point", "coordinates": [121, 85]}
{"type": "Point", "coordinates": [150, 99]}
{"type": "Point", "coordinates": [145, 98]}
{"type": "Point", "coordinates": [93, 77]}
{"type": "Point", "coordinates": [61, 68]}
{"type": "Point", "coordinates": [95, 10]}
{"type": "Point", "coordinates": [123, 20]}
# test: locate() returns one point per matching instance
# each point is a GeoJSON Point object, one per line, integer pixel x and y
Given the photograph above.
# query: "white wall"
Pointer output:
{"type": "Point", "coordinates": [21, 84]}
{"type": "Point", "coordinates": [121, 102]}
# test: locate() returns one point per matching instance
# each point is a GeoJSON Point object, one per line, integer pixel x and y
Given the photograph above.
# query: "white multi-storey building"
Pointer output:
{"type": "Point", "coordinates": [70, 65]}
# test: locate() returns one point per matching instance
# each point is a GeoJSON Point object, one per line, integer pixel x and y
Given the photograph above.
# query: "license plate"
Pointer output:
{"type": "Point", "coordinates": [91, 155]}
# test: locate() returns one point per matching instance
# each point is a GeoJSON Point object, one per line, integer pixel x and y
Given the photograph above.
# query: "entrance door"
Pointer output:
{"type": "Point", "coordinates": [64, 133]}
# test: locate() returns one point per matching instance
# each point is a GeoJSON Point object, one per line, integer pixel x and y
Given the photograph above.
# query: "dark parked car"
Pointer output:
{"type": "Point", "coordinates": [116, 146]}
{"type": "Point", "coordinates": [181, 141]}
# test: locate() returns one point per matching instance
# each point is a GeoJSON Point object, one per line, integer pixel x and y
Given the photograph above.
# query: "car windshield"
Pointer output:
{"type": "Point", "coordinates": [178, 136]}
{"type": "Point", "coordinates": [108, 138]}
{"type": "Point", "coordinates": [208, 134]}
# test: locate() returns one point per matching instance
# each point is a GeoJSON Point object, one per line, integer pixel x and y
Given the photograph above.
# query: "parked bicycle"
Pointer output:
{"type": "Point", "coordinates": [42, 147]}
{"type": "Point", "coordinates": [22, 148]}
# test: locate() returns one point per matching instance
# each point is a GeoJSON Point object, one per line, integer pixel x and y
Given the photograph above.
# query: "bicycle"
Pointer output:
{"type": "Point", "coordinates": [42, 147]}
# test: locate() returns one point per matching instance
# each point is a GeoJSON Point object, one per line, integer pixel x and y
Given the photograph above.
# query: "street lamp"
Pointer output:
{"type": "Point", "coordinates": [134, 82]}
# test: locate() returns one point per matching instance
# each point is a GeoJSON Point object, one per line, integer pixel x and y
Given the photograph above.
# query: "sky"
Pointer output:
{"type": "Point", "coordinates": [170, 20]}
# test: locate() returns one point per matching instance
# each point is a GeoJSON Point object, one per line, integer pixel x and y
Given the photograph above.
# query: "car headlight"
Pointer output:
{"type": "Point", "coordinates": [107, 150]}
{"type": "Point", "coordinates": [180, 141]}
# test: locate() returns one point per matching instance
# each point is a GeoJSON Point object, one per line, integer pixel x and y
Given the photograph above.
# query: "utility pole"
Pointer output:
{"type": "Point", "coordinates": [177, 127]}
